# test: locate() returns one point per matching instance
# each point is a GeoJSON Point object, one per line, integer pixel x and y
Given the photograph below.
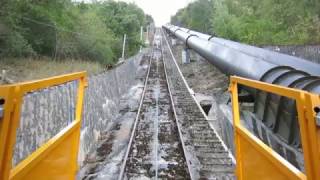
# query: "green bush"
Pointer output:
{"type": "Point", "coordinates": [267, 22]}
{"type": "Point", "coordinates": [64, 29]}
{"type": "Point", "coordinates": [16, 46]}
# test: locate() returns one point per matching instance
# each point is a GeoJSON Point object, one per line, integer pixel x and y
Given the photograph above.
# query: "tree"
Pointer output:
{"type": "Point", "coordinates": [64, 29]}
{"type": "Point", "coordinates": [196, 15]}
{"type": "Point", "coordinates": [278, 22]}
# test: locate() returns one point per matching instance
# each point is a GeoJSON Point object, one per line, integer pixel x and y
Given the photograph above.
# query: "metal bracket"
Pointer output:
{"type": "Point", "coordinates": [2, 101]}
{"type": "Point", "coordinates": [317, 110]}
{"type": "Point", "coordinates": [1, 112]}
{"type": "Point", "coordinates": [318, 119]}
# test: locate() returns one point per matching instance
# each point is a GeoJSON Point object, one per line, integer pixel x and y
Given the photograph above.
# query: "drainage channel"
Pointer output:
{"type": "Point", "coordinates": [155, 150]}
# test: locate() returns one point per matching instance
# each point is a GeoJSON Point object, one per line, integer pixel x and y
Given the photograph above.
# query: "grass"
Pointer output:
{"type": "Point", "coordinates": [25, 69]}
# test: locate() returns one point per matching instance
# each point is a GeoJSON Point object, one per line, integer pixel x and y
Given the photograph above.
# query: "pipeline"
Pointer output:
{"type": "Point", "coordinates": [223, 53]}
{"type": "Point", "coordinates": [279, 114]}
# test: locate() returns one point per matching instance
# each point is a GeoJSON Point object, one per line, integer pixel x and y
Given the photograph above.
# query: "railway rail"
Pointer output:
{"type": "Point", "coordinates": [206, 154]}
{"type": "Point", "coordinates": [155, 149]}
{"type": "Point", "coordinates": [171, 138]}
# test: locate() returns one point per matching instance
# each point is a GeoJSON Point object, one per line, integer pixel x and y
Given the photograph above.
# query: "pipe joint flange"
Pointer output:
{"type": "Point", "coordinates": [191, 35]}
{"type": "Point", "coordinates": [212, 36]}
{"type": "Point", "coordinates": [174, 32]}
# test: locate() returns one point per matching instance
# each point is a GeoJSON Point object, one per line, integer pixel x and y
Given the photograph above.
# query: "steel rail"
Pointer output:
{"type": "Point", "coordinates": [174, 110]}
{"type": "Point", "coordinates": [123, 166]}
{"type": "Point", "coordinates": [194, 98]}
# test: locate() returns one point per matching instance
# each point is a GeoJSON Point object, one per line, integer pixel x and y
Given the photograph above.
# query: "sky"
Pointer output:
{"type": "Point", "coordinates": [160, 10]}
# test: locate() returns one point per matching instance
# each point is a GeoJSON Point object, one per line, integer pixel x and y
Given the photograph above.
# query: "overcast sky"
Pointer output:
{"type": "Point", "coordinates": [160, 10]}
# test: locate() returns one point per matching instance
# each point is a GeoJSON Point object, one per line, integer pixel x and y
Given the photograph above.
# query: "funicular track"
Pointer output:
{"type": "Point", "coordinates": [171, 138]}
{"type": "Point", "coordinates": [155, 150]}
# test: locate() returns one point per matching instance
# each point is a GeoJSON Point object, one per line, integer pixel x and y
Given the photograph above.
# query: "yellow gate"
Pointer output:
{"type": "Point", "coordinates": [256, 160]}
{"type": "Point", "coordinates": [57, 158]}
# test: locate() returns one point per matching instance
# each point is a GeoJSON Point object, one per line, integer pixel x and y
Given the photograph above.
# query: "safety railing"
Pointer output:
{"type": "Point", "coordinates": [256, 160]}
{"type": "Point", "coordinates": [55, 159]}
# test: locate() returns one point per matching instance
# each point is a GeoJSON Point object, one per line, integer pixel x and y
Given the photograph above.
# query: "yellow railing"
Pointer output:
{"type": "Point", "coordinates": [256, 160]}
{"type": "Point", "coordinates": [57, 158]}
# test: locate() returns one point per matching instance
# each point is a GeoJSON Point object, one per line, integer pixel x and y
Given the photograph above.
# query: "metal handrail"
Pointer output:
{"type": "Point", "coordinates": [63, 146]}
{"type": "Point", "coordinates": [252, 153]}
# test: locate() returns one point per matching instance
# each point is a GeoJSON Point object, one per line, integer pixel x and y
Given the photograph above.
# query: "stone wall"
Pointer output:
{"type": "Point", "coordinates": [45, 113]}
{"type": "Point", "coordinates": [103, 99]}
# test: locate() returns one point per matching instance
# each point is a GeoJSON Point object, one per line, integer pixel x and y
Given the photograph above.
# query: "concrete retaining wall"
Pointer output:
{"type": "Point", "coordinates": [103, 99]}
{"type": "Point", "coordinates": [46, 112]}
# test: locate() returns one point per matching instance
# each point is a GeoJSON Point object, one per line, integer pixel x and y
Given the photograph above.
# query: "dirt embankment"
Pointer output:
{"type": "Point", "coordinates": [19, 70]}
{"type": "Point", "coordinates": [204, 78]}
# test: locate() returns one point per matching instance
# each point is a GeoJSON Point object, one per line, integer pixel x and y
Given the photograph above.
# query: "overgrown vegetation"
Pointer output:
{"type": "Point", "coordinates": [196, 15]}
{"type": "Point", "coordinates": [63, 29]}
{"type": "Point", "coordinates": [24, 69]}
{"type": "Point", "coordinates": [272, 22]}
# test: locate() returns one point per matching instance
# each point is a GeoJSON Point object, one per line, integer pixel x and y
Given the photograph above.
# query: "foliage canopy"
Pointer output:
{"type": "Point", "coordinates": [65, 29]}
{"type": "Point", "coordinates": [266, 22]}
